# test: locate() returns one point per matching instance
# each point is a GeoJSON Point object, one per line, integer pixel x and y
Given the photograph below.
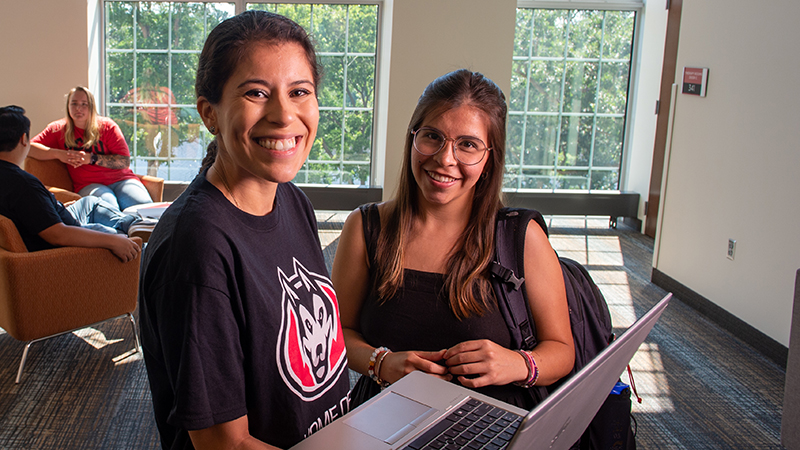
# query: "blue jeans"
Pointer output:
{"type": "Point", "coordinates": [120, 195]}
{"type": "Point", "coordinates": [95, 214]}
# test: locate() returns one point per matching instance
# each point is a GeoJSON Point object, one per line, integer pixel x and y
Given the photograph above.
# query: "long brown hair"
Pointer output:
{"type": "Point", "coordinates": [230, 40]}
{"type": "Point", "coordinates": [466, 282]}
{"type": "Point", "coordinates": [92, 131]}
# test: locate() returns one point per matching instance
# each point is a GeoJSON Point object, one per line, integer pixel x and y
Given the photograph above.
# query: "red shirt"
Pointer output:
{"type": "Point", "coordinates": [110, 142]}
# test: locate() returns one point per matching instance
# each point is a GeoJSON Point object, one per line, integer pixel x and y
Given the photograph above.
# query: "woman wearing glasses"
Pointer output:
{"type": "Point", "coordinates": [411, 273]}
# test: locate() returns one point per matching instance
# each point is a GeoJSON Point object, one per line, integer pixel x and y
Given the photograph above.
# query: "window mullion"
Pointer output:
{"type": "Point", "coordinates": [560, 121]}
{"type": "Point", "coordinates": [596, 102]}
{"type": "Point", "coordinates": [523, 141]}
{"type": "Point", "coordinates": [135, 55]}
{"type": "Point", "coordinates": [168, 128]}
{"type": "Point", "coordinates": [344, 93]}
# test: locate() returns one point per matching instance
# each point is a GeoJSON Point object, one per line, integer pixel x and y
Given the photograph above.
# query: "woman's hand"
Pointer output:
{"type": "Point", "coordinates": [396, 365]}
{"type": "Point", "coordinates": [483, 362]}
{"type": "Point", "coordinates": [75, 158]}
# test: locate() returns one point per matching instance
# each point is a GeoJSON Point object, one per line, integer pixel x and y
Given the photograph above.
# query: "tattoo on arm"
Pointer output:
{"type": "Point", "coordinates": [114, 161]}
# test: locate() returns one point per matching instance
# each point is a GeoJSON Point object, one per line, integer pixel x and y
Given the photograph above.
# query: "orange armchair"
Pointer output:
{"type": "Point", "coordinates": [54, 175]}
{"type": "Point", "coordinates": [43, 296]}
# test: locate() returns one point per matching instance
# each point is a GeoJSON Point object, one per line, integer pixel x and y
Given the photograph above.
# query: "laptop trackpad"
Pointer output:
{"type": "Point", "coordinates": [390, 417]}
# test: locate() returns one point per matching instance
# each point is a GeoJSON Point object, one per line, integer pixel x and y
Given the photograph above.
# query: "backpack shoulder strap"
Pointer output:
{"type": "Point", "coordinates": [507, 270]}
{"type": "Point", "coordinates": [508, 282]}
{"type": "Point", "coordinates": [371, 224]}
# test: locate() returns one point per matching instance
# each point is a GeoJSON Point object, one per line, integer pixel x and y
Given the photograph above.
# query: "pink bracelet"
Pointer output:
{"type": "Point", "coordinates": [533, 370]}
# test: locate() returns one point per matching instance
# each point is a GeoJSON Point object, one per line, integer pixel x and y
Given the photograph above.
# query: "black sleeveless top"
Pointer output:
{"type": "Point", "coordinates": [419, 317]}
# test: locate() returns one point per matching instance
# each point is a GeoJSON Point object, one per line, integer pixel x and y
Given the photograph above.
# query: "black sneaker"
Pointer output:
{"type": "Point", "coordinates": [142, 228]}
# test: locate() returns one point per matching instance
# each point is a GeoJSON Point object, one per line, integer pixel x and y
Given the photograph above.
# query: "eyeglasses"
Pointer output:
{"type": "Point", "coordinates": [468, 150]}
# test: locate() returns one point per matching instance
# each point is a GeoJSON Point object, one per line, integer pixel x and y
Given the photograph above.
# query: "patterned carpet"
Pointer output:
{"type": "Point", "coordinates": [701, 387]}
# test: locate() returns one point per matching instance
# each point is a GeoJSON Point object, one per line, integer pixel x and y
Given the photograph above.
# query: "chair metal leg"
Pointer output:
{"type": "Point", "coordinates": [22, 363]}
{"type": "Point", "coordinates": [138, 347]}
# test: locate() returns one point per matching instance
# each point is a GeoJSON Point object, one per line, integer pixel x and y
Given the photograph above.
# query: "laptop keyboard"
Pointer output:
{"type": "Point", "coordinates": [474, 425]}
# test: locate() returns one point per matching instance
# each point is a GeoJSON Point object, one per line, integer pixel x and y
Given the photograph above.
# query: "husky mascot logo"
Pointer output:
{"type": "Point", "coordinates": [311, 353]}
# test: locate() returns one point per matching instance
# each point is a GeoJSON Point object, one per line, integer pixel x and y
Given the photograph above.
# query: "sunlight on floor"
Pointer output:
{"type": "Point", "coordinates": [94, 337]}
{"type": "Point", "coordinates": [616, 289]}
{"type": "Point", "coordinates": [602, 255]}
{"type": "Point", "coordinates": [651, 381]}
{"type": "Point", "coordinates": [97, 339]}
{"type": "Point", "coordinates": [589, 250]}
{"type": "Point", "coordinates": [326, 237]}
{"type": "Point", "coordinates": [128, 357]}
{"type": "Point", "coordinates": [648, 371]}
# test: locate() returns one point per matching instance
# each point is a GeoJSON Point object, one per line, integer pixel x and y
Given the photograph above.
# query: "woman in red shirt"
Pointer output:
{"type": "Point", "coordinates": [94, 150]}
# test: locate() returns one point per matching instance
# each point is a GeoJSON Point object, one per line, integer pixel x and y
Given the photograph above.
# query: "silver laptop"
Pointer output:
{"type": "Point", "coordinates": [420, 409]}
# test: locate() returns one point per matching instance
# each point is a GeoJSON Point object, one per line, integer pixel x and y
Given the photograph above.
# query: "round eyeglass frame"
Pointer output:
{"type": "Point", "coordinates": [486, 149]}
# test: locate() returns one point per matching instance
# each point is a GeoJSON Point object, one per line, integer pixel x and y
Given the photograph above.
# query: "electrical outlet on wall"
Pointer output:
{"type": "Point", "coordinates": [731, 249]}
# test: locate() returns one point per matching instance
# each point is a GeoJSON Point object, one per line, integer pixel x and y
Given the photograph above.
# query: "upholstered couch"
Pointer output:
{"type": "Point", "coordinates": [54, 175]}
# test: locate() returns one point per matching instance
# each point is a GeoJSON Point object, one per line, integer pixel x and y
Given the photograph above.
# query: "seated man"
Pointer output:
{"type": "Point", "coordinates": [44, 222]}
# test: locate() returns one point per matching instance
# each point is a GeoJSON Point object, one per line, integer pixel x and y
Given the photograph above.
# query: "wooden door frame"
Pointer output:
{"type": "Point", "coordinates": [668, 72]}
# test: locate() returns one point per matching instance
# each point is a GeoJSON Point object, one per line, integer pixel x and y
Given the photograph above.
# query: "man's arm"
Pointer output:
{"type": "Point", "coordinates": [69, 236]}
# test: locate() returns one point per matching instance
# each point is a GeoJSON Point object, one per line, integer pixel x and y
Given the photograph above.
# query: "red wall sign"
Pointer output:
{"type": "Point", "coordinates": [695, 80]}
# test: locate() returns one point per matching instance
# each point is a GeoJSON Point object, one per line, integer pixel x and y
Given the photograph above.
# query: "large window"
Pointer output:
{"type": "Point", "coordinates": [152, 50]}
{"type": "Point", "coordinates": [568, 102]}
{"type": "Point", "coordinates": [151, 57]}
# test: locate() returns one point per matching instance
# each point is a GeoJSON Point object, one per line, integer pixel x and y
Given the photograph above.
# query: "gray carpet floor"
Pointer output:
{"type": "Point", "coordinates": [701, 387]}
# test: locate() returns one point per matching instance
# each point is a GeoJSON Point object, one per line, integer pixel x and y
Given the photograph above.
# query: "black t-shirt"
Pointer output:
{"type": "Point", "coordinates": [32, 208]}
{"type": "Point", "coordinates": [239, 317]}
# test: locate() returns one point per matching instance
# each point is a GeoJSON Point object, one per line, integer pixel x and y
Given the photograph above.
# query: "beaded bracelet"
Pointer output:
{"type": "Point", "coordinates": [533, 370]}
{"type": "Point", "coordinates": [372, 361]}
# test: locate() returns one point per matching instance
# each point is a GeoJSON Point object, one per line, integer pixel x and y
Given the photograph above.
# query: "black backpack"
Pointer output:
{"type": "Point", "coordinates": [589, 318]}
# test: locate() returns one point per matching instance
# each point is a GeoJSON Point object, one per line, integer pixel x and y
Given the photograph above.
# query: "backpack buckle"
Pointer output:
{"type": "Point", "coordinates": [506, 275]}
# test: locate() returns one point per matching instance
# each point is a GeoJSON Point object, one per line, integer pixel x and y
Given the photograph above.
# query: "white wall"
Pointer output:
{"type": "Point", "coordinates": [44, 54]}
{"type": "Point", "coordinates": [734, 160]}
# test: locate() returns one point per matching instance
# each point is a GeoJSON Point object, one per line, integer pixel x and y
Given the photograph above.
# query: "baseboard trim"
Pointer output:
{"type": "Point", "coordinates": [769, 347]}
